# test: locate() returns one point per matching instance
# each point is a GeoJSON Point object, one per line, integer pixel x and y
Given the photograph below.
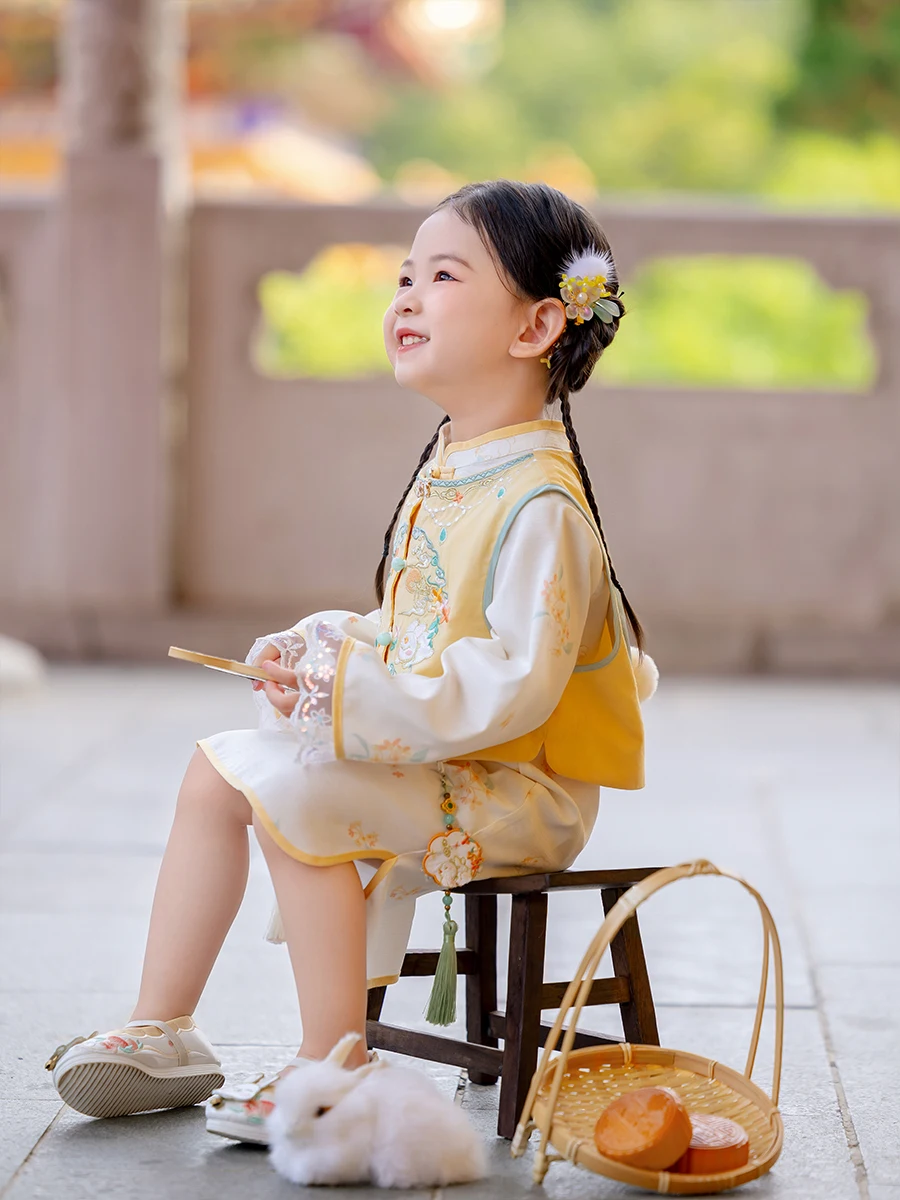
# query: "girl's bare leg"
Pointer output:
{"type": "Point", "coordinates": [198, 892]}
{"type": "Point", "coordinates": [323, 913]}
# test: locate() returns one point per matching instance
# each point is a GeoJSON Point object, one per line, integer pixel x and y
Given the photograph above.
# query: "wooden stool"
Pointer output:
{"type": "Point", "coordinates": [527, 994]}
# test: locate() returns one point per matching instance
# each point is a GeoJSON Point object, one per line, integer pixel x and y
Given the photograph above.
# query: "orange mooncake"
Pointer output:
{"type": "Point", "coordinates": [717, 1144]}
{"type": "Point", "coordinates": [648, 1128]}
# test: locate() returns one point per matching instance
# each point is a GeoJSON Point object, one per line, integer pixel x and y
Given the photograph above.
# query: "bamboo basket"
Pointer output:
{"type": "Point", "coordinates": [569, 1092]}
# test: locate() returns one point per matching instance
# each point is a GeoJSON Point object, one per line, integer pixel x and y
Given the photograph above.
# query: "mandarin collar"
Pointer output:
{"type": "Point", "coordinates": [497, 443]}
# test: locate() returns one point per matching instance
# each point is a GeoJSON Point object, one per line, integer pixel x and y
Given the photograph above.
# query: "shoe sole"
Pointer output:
{"type": "Point", "coordinates": [120, 1089]}
{"type": "Point", "coordinates": [237, 1132]}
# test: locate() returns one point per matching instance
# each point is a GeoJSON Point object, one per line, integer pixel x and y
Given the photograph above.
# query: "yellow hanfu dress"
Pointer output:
{"type": "Point", "coordinates": [498, 631]}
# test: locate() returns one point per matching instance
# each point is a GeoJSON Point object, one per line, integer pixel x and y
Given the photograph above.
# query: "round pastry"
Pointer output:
{"type": "Point", "coordinates": [647, 1128]}
{"type": "Point", "coordinates": [717, 1144]}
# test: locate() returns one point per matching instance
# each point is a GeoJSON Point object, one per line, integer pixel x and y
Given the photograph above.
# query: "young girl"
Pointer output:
{"type": "Point", "coordinates": [462, 729]}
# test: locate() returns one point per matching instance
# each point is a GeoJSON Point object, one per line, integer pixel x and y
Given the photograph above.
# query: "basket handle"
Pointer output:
{"type": "Point", "coordinates": [578, 990]}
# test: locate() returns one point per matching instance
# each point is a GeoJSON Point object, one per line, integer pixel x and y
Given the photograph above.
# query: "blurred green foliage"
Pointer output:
{"type": "Point", "coordinates": [743, 322]}
{"type": "Point", "coordinates": [652, 95]}
{"type": "Point", "coordinates": [848, 68]}
{"type": "Point", "coordinates": [618, 97]}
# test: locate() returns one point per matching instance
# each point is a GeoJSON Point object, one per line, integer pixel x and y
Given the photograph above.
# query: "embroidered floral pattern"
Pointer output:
{"type": "Point", "coordinates": [469, 781]}
{"type": "Point", "coordinates": [123, 1045]}
{"type": "Point", "coordinates": [258, 1110]}
{"type": "Point", "coordinates": [448, 501]}
{"type": "Point", "coordinates": [424, 583]}
{"type": "Point", "coordinates": [390, 750]}
{"type": "Point", "coordinates": [355, 833]}
{"type": "Point", "coordinates": [452, 859]}
{"type": "Point", "coordinates": [311, 716]}
{"type": "Point", "coordinates": [403, 893]}
{"type": "Point", "coordinates": [558, 609]}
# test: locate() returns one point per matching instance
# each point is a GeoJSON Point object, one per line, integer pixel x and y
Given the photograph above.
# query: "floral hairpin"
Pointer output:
{"type": "Point", "coordinates": [585, 276]}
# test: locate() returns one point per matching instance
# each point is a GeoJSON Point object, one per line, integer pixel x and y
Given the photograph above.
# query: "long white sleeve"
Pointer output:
{"type": "Point", "coordinates": [549, 585]}
{"type": "Point", "coordinates": [295, 656]}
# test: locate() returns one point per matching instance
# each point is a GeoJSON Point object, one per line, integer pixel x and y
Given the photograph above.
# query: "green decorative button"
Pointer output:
{"type": "Point", "coordinates": [397, 564]}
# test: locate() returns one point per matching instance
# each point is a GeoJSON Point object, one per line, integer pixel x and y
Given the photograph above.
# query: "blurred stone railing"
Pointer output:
{"type": "Point", "coordinates": [753, 530]}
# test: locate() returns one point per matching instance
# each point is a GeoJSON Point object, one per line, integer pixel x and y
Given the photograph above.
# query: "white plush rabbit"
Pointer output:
{"type": "Point", "coordinates": [380, 1124]}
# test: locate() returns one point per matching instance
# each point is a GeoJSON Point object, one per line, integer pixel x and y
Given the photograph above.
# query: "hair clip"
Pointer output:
{"type": "Point", "coordinates": [585, 276]}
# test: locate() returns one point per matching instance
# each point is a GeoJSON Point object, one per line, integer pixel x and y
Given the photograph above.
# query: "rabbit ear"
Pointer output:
{"type": "Point", "coordinates": [378, 1065]}
{"type": "Point", "coordinates": [341, 1051]}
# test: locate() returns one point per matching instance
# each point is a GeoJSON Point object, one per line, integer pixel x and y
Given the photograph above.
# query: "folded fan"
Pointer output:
{"type": "Point", "coordinates": [229, 665]}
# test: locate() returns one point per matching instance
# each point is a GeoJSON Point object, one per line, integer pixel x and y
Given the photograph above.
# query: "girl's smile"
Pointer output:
{"type": "Point", "coordinates": [404, 336]}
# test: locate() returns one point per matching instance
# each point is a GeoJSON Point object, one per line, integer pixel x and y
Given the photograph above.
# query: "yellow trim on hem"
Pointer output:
{"type": "Point", "coordinates": [383, 981]}
{"type": "Point", "coordinates": [337, 696]}
{"type": "Point", "coordinates": [496, 435]}
{"type": "Point", "coordinates": [383, 871]}
{"type": "Point", "coordinates": [313, 860]}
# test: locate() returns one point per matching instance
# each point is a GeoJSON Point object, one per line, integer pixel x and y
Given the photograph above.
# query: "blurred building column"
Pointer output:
{"type": "Point", "coordinates": [121, 208]}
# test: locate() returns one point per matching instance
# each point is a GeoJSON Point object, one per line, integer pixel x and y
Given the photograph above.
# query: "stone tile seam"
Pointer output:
{"type": "Point", "coordinates": [25, 1161]}
{"type": "Point", "coordinates": [771, 825]}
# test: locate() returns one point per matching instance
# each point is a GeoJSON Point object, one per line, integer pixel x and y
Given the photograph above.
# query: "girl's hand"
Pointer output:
{"type": "Point", "coordinates": [268, 654]}
{"type": "Point", "coordinates": [281, 678]}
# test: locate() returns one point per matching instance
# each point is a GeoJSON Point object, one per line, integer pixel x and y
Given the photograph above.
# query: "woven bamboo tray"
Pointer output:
{"type": "Point", "coordinates": [569, 1092]}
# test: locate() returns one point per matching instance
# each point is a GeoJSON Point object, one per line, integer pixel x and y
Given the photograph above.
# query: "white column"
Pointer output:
{"type": "Point", "coordinates": [120, 209]}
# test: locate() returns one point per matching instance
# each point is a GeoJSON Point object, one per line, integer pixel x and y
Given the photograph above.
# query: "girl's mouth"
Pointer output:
{"type": "Point", "coordinates": [401, 349]}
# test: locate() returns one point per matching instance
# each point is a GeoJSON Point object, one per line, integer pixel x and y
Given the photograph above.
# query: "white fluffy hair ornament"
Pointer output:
{"type": "Point", "coordinates": [589, 283]}
{"type": "Point", "coordinates": [380, 1124]}
{"type": "Point", "coordinates": [646, 674]}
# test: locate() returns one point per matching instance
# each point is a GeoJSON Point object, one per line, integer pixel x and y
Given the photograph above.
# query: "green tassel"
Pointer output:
{"type": "Point", "coordinates": [441, 1008]}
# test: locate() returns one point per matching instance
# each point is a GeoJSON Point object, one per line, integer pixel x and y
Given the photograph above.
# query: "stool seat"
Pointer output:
{"type": "Point", "coordinates": [527, 993]}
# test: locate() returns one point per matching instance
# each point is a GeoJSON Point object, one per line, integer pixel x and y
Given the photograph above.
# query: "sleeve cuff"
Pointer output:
{"type": "Point", "coordinates": [337, 696]}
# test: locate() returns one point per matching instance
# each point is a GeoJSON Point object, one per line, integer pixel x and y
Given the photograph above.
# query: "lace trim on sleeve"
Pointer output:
{"type": "Point", "coordinates": [316, 670]}
{"type": "Point", "coordinates": [292, 646]}
{"type": "Point", "coordinates": [289, 642]}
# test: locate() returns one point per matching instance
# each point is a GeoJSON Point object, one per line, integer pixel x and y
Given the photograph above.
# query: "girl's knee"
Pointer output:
{"type": "Point", "coordinates": [203, 787]}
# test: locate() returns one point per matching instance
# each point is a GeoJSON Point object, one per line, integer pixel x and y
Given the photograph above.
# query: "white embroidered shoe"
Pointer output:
{"type": "Point", "coordinates": [240, 1111]}
{"type": "Point", "coordinates": [118, 1073]}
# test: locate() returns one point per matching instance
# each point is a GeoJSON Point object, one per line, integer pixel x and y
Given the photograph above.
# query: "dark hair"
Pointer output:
{"type": "Point", "coordinates": [530, 229]}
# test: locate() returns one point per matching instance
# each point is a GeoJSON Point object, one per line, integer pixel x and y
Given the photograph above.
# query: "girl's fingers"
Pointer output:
{"type": "Point", "coordinates": [277, 671]}
{"type": "Point", "coordinates": [283, 701]}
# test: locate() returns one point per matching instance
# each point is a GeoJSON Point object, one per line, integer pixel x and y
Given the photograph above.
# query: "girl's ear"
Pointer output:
{"type": "Point", "coordinates": [544, 321]}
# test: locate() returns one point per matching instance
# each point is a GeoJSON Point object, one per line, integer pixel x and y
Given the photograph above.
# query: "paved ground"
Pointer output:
{"type": "Point", "coordinates": [796, 786]}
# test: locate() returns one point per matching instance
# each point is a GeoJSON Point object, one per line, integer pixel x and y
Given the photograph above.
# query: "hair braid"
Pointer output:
{"type": "Point", "coordinates": [589, 492]}
{"type": "Point", "coordinates": [379, 574]}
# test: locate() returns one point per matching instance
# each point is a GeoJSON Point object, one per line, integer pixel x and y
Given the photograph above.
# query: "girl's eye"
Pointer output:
{"type": "Point", "coordinates": [404, 278]}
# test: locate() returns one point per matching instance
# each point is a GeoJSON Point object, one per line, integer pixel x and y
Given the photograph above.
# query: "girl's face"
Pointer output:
{"type": "Point", "coordinates": [449, 292]}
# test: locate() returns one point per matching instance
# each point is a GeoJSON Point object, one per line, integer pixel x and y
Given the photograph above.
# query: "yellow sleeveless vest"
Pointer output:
{"type": "Point", "coordinates": [440, 582]}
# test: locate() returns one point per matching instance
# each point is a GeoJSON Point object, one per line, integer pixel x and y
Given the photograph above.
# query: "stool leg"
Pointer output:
{"type": "Point", "coordinates": [481, 988]}
{"type": "Point", "coordinates": [525, 980]}
{"type": "Point", "coordinates": [375, 1003]}
{"type": "Point", "coordinates": [627, 950]}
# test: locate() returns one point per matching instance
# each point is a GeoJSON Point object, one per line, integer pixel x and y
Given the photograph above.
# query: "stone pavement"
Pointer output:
{"type": "Point", "coordinates": [794, 785]}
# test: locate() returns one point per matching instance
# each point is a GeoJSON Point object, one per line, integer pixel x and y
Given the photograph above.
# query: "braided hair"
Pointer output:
{"type": "Point", "coordinates": [530, 229]}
